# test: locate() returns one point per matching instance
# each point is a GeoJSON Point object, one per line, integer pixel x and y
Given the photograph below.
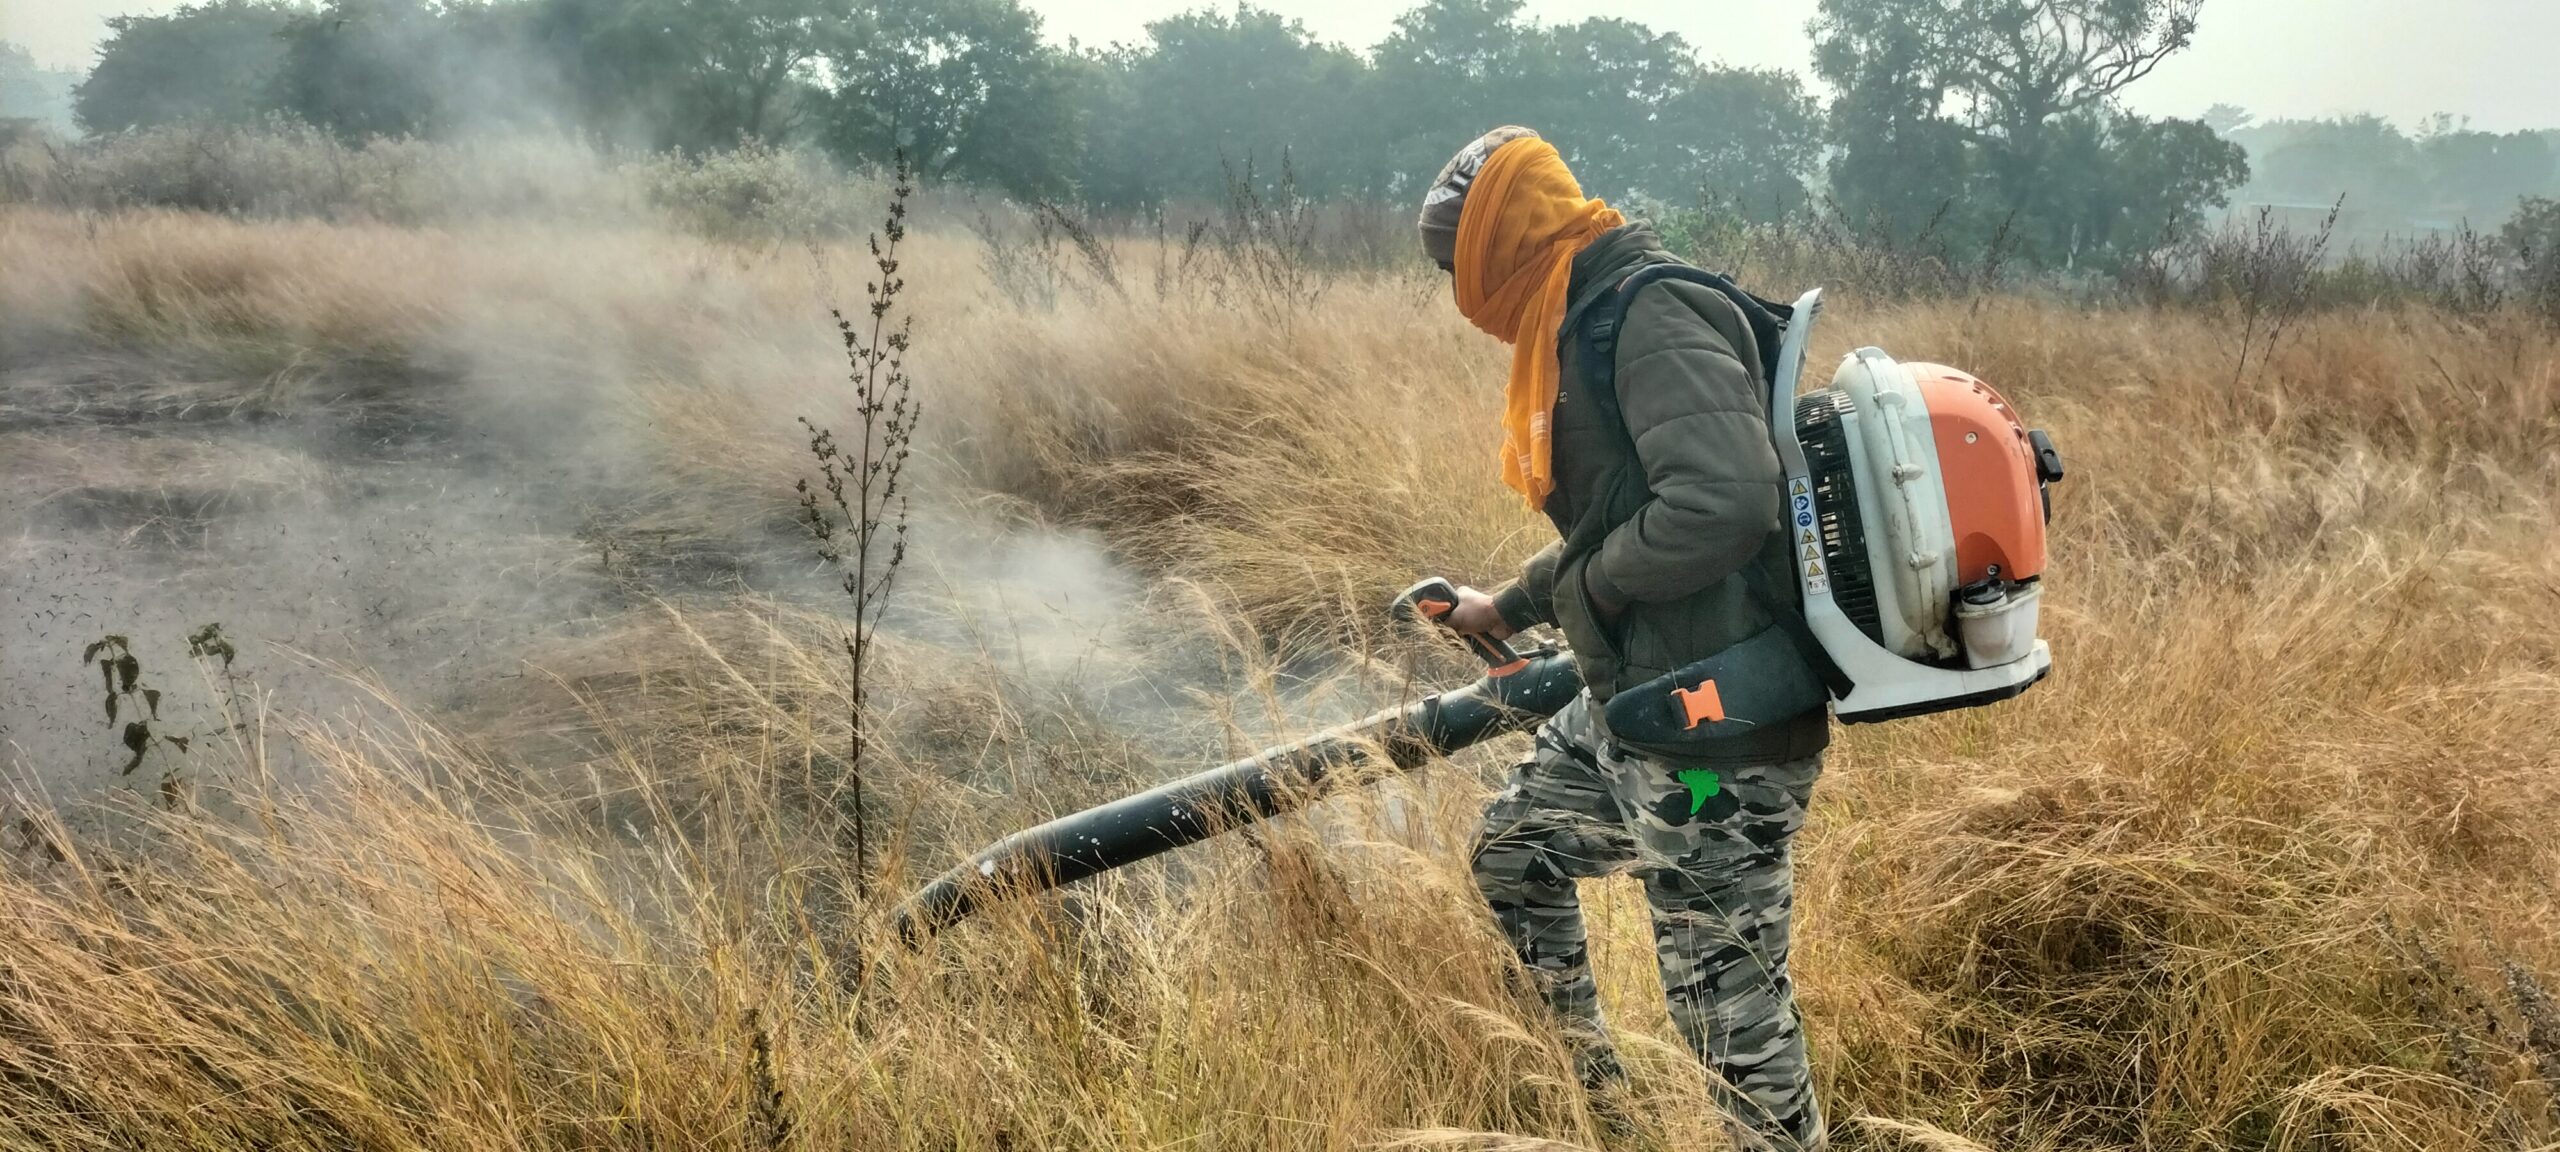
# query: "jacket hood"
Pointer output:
{"type": "Point", "coordinates": [1611, 258]}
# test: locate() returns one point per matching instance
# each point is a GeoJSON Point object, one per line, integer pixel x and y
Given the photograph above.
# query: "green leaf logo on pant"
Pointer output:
{"type": "Point", "coordinates": [1702, 784]}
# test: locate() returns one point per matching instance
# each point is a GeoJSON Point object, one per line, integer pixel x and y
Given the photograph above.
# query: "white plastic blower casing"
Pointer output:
{"type": "Point", "coordinates": [1909, 531]}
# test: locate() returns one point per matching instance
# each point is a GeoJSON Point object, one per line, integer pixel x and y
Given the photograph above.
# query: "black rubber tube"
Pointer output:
{"type": "Point", "coordinates": [1258, 787]}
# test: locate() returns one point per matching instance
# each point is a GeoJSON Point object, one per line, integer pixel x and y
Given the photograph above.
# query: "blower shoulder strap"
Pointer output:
{"type": "Point", "coordinates": [1600, 317]}
{"type": "Point", "coordinates": [1597, 321]}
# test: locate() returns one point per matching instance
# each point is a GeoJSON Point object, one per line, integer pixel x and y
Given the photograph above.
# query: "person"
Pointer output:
{"type": "Point", "coordinates": [1666, 499]}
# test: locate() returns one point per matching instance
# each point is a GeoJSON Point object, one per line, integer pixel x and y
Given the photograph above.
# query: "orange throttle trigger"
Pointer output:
{"type": "Point", "coordinates": [1434, 599]}
{"type": "Point", "coordinates": [1700, 705]}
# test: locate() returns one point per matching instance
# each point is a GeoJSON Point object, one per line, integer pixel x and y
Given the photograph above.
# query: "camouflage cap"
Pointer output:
{"type": "Point", "coordinates": [1445, 201]}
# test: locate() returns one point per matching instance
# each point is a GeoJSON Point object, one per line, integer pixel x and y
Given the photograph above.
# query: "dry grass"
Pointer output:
{"type": "Point", "coordinates": [2244, 875]}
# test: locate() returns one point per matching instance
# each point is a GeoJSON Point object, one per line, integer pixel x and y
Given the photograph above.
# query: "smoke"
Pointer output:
{"type": "Point", "coordinates": [515, 441]}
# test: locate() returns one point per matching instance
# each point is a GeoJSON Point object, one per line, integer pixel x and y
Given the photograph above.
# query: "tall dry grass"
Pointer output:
{"type": "Point", "coordinates": [2264, 866]}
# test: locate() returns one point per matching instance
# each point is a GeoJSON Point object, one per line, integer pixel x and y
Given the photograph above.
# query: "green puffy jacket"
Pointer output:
{"type": "Point", "coordinates": [1650, 573]}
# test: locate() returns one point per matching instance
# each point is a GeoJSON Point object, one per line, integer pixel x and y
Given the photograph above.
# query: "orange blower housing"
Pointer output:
{"type": "Point", "coordinates": [1995, 498]}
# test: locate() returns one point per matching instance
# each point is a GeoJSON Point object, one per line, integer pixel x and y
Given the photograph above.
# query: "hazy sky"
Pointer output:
{"type": "Point", "coordinates": [2488, 59]}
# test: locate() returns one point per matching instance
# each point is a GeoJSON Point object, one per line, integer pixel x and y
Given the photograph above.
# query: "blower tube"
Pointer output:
{"type": "Point", "coordinates": [1258, 787]}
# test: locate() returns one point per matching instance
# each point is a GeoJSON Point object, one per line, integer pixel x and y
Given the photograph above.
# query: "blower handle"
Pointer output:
{"type": "Point", "coordinates": [1434, 599]}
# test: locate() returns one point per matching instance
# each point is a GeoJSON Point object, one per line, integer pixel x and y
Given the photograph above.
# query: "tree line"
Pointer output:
{"type": "Point", "coordinates": [1975, 125]}
{"type": "Point", "coordinates": [2440, 175]}
{"type": "Point", "coordinates": [970, 90]}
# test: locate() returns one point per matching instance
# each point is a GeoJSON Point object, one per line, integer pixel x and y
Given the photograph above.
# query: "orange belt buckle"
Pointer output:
{"type": "Point", "coordinates": [1701, 705]}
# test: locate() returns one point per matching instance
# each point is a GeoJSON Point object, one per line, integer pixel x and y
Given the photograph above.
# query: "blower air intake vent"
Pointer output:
{"type": "Point", "coordinates": [1835, 502]}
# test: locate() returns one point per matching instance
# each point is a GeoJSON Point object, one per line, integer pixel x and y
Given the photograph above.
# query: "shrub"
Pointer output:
{"type": "Point", "coordinates": [755, 190]}
{"type": "Point", "coordinates": [2533, 238]}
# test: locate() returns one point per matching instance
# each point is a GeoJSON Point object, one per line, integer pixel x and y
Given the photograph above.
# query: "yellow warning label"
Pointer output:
{"type": "Point", "coordinates": [1800, 487]}
{"type": "Point", "coordinates": [1812, 553]}
{"type": "Point", "coordinates": [1808, 536]}
{"type": "Point", "coordinates": [1813, 571]}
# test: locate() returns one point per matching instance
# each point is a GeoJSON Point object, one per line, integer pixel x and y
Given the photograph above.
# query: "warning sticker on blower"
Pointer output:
{"type": "Point", "coordinates": [1816, 582]}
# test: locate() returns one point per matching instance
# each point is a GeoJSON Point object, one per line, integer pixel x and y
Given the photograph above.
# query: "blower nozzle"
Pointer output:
{"type": "Point", "coordinates": [1258, 787]}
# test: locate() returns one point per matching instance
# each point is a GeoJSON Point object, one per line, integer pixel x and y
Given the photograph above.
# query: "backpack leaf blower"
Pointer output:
{"type": "Point", "coordinates": [1916, 506]}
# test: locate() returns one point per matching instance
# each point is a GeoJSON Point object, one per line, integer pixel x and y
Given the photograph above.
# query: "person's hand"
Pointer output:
{"type": "Point", "coordinates": [1475, 613]}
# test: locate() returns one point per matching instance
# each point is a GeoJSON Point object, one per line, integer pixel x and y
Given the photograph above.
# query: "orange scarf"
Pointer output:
{"type": "Point", "coordinates": [1525, 219]}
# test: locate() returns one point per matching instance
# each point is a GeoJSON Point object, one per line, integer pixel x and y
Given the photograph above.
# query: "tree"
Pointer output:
{"type": "Point", "coordinates": [1745, 139]}
{"type": "Point", "coordinates": [1995, 122]}
{"type": "Point", "coordinates": [2165, 175]}
{"type": "Point", "coordinates": [1633, 110]}
{"type": "Point", "coordinates": [2532, 238]}
{"type": "Point", "coordinates": [2014, 65]}
{"type": "Point", "coordinates": [2480, 176]}
{"type": "Point", "coordinates": [364, 68]}
{"type": "Point", "coordinates": [748, 59]}
{"type": "Point", "coordinates": [1898, 165]}
{"type": "Point", "coordinates": [964, 87]}
{"type": "Point", "coordinates": [2010, 67]}
{"type": "Point", "coordinates": [2364, 158]}
{"type": "Point", "coordinates": [209, 61]}
{"type": "Point", "coordinates": [1451, 70]}
{"type": "Point", "coordinates": [695, 74]}
{"type": "Point", "coordinates": [1211, 89]}
{"type": "Point", "coordinates": [2226, 119]}
{"type": "Point", "coordinates": [1600, 90]}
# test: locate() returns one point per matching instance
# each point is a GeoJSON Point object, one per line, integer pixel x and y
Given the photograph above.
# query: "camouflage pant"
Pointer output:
{"type": "Point", "coordinates": [1713, 850]}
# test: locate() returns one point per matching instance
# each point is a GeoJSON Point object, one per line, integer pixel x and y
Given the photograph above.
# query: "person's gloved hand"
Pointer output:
{"type": "Point", "coordinates": [1475, 613]}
